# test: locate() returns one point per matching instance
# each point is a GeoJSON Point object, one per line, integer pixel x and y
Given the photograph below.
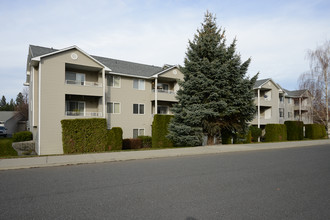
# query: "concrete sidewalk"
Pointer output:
{"type": "Point", "coordinates": [61, 160]}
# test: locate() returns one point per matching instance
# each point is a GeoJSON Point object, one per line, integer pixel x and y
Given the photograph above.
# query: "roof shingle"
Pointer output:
{"type": "Point", "coordinates": [117, 66]}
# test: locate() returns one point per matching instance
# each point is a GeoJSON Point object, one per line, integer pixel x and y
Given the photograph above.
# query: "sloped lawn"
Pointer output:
{"type": "Point", "coordinates": [6, 148]}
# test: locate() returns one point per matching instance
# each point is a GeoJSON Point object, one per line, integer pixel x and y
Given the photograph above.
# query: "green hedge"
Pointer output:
{"type": "Point", "coordinates": [146, 141]}
{"type": "Point", "coordinates": [275, 132]}
{"type": "Point", "coordinates": [160, 130]}
{"type": "Point", "coordinates": [132, 143]}
{"type": "Point", "coordinates": [84, 135]}
{"type": "Point", "coordinates": [115, 139]}
{"type": "Point", "coordinates": [315, 131]}
{"type": "Point", "coordinates": [295, 130]}
{"type": "Point", "coordinates": [248, 137]}
{"type": "Point", "coordinates": [255, 133]}
{"type": "Point", "coordinates": [22, 136]}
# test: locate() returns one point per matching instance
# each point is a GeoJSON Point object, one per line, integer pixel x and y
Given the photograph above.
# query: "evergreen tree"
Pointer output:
{"type": "Point", "coordinates": [3, 103]}
{"type": "Point", "coordinates": [11, 105]}
{"type": "Point", "coordinates": [215, 96]}
{"type": "Point", "coordinates": [19, 99]}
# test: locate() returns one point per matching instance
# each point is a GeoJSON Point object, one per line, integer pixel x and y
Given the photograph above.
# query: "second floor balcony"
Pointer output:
{"type": "Point", "coordinates": [83, 83]}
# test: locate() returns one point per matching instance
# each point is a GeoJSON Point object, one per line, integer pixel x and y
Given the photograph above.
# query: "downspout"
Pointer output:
{"type": "Point", "coordinates": [156, 95]}
{"type": "Point", "coordinates": [258, 111]}
{"type": "Point", "coordinates": [300, 118]}
{"type": "Point", "coordinates": [39, 108]}
{"type": "Point", "coordinates": [103, 98]}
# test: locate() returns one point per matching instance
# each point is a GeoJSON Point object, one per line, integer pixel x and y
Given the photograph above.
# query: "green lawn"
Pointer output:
{"type": "Point", "coordinates": [6, 148]}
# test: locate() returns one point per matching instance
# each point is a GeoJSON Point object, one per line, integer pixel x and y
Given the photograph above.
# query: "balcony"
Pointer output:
{"type": "Point", "coordinates": [83, 83]}
{"type": "Point", "coordinates": [83, 114]}
{"type": "Point", "coordinates": [164, 95]}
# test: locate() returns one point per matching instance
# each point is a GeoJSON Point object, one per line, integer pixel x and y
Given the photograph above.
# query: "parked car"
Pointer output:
{"type": "Point", "coordinates": [3, 131]}
{"type": "Point", "coordinates": [2, 123]}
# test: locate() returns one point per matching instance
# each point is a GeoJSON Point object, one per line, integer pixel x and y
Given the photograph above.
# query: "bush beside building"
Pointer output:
{"type": "Point", "coordinates": [295, 130]}
{"type": "Point", "coordinates": [275, 132]}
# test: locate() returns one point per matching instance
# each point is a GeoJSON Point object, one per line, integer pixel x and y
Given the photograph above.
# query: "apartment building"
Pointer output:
{"type": "Point", "coordinates": [69, 83]}
{"type": "Point", "coordinates": [277, 105]}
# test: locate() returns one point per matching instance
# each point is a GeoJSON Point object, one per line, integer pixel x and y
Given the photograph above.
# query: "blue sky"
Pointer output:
{"type": "Point", "coordinates": [276, 34]}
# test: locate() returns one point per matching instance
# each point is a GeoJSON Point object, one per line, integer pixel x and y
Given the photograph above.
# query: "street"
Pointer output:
{"type": "Point", "coordinates": [267, 184]}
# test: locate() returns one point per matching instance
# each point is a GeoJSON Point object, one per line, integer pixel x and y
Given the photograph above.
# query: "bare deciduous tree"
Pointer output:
{"type": "Point", "coordinates": [316, 81]}
{"type": "Point", "coordinates": [22, 104]}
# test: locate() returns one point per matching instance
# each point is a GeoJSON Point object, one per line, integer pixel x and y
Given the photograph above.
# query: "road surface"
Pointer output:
{"type": "Point", "coordinates": [270, 184]}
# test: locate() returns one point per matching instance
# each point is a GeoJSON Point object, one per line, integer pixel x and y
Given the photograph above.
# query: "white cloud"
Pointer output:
{"type": "Point", "coordinates": [275, 36]}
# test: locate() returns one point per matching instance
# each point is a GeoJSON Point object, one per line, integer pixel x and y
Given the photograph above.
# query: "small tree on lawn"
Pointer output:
{"type": "Point", "coordinates": [215, 96]}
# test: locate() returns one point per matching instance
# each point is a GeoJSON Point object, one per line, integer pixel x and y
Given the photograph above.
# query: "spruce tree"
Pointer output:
{"type": "Point", "coordinates": [216, 96]}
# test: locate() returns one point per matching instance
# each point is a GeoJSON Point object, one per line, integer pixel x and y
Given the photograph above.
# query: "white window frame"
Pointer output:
{"type": "Point", "coordinates": [113, 81]}
{"type": "Point", "coordinates": [139, 132]}
{"type": "Point", "coordinates": [76, 82]}
{"type": "Point", "coordinates": [140, 84]}
{"type": "Point", "coordinates": [162, 106]}
{"type": "Point", "coordinates": [139, 113]}
{"type": "Point", "coordinates": [113, 107]}
{"type": "Point", "coordinates": [78, 102]}
{"type": "Point", "coordinates": [281, 112]}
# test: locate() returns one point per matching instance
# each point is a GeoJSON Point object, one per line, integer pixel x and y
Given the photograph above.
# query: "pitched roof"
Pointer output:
{"type": "Point", "coordinates": [6, 115]}
{"type": "Point", "coordinates": [129, 68]}
{"type": "Point", "coordinates": [39, 51]}
{"type": "Point", "coordinates": [116, 66]}
{"type": "Point", "coordinates": [295, 93]}
{"type": "Point", "coordinates": [260, 82]}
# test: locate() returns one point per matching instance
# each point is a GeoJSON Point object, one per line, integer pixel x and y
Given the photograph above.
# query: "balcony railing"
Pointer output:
{"type": "Point", "coordinates": [164, 91]}
{"type": "Point", "coordinates": [83, 114]}
{"type": "Point", "coordinates": [83, 83]}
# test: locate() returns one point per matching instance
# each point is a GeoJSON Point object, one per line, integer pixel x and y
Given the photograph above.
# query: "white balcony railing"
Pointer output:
{"type": "Point", "coordinates": [83, 83]}
{"type": "Point", "coordinates": [164, 91]}
{"type": "Point", "coordinates": [83, 114]}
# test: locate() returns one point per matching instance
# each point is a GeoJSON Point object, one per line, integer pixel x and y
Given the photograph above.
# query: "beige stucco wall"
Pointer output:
{"type": "Point", "coordinates": [174, 73]}
{"type": "Point", "coordinates": [273, 103]}
{"type": "Point", "coordinates": [126, 95]}
{"type": "Point", "coordinates": [52, 97]}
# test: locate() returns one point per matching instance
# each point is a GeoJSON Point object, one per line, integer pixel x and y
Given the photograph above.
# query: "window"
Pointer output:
{"type": "Point", "coordinates": [75, 108]}
{"type": "Point", "coordinates": [113, 81]}
{"type": "Point", "coordinates": [113, 107]}
{"type": "Point", "coordinates": [74, 78]}
{"type": "Point", "coordinates": [138, 132]}
{"type": "Point", "coordinates": [162, 87]}
{"type": "Point", "coordinates": [162, 109]}
{"type": "Point", "coordinates": [281, 99]}
{"type": "Point", "coordinates": [281, 112]}
{"type": "Point", "coordinates": [289, 100]}
{"type": "Point", "coordinates": [138, 84]}
{"type": "Point", "coordinates": [138, 108]}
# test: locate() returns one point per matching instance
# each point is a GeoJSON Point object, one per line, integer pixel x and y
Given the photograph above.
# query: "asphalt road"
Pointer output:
{"type": "Point", "coordinates": [270, 184]}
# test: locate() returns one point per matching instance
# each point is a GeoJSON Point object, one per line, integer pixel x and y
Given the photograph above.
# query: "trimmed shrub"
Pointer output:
{"type": "Point", "coordinates": [275, 132]}
{"type": "Point", "coordinates": [22, 136]}
{"type": "Point", "coordinates": [115, 139]}
{"type": "Point", "coordinates": [132, 143]}
{"type": "Point", "coordinates": [84, 135]}
{"type": "Point", "coordinates": [315, 131]}
{"type": "Point", "coordinates": [160, 130]}
{"type": "Point", "coordinates": [248, 137]}
{"type": "Point", "coordinates": [295, 130]}
{"type": "Point", "coordinates": [146, 141]}
{"type": "Point", "coordinates": [255, 133]}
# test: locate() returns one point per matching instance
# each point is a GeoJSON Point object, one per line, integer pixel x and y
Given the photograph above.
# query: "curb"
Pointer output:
{"type": "Point", "coordinates": [62, 160]}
